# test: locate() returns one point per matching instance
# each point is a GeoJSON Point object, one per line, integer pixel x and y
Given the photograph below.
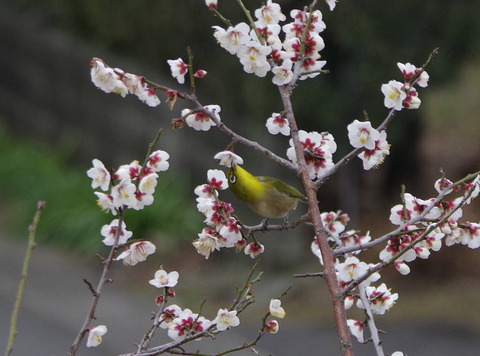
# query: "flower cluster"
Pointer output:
{"type": "Point", "coordinates": [422, 226]}
{"type": "Point", "coordinates": [335, 224]}
{"type": "Point", "coordinates": [223, 229]}
{"type": "Point", "coordinates": [426, 222]}
{"type": "Point", "coordinates": [261, 49]}
{"type": "Point", "coordinates": [130, 187]}
{"type": "Point", "coordinates": [374, 143]}
{"type": "Point", "coordinates": [376, 299]}
{"type": "Point", "coordinates": [318, 149]}
{"type": "Point", "coordinates": [182, 323]}
{"type": "Point", "coordinates": [404, 95]}
{"type": "Point", "coordinates": [115, 80]}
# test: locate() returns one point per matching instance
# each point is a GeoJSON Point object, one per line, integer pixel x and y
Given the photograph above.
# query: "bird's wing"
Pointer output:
{"type": "Point", "coordinates": [282, 187]}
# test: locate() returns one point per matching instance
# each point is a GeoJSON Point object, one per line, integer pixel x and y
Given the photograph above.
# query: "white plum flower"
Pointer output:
{"type": "Point", "coordinates": [110, 232]}
{"type": "Point", "coordinates": [253, 56]}
{"type": "Point", "coordinates": [137, 252]}
{"type": "Point", "coordinates": [356, 328]}
{"type": "Point", "coordinates": [123, 193]}
{"type": "Point", "coordinates": [362, 134]}
{"type": "Point", "coordinates": [226, 319]}
{"type": "Point", "coordinates": [283, 74]}
{"type": "Point", "coordinates": [178, 68]}
{"type": "Point", "coordinates": [158, 161]}
{"type": "Point", "coordinates": [100, 175]}
{"type": "Point", "coordinates": [217, 179]}
{"type": "Point", "coordinates": [163, 279]}
{"type": "Point", "coordinates": [380, 298]}
{"type": "Point", "coordinates": [201, 121]}
{"type": "Point", "coordinates": [278, 124]}
{"type": "Point", "coordinates": [375, 157]}
{"type": "Point", "coordinates": [276, 309]}
{"type": "Point", "coordinates": [268, 14]}
{"type": "Point", "coordinates": [228, 158]}
{"type": "Point", "coordinates": [206, 243]}
{"type": "Point", "coordinates": [394, 95]}
{"type": "Point", "coordinates": [95, 335]}
{"type": "Point", "coordinates": [233, 38]}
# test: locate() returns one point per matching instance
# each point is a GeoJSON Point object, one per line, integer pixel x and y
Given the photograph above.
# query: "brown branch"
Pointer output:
{"type": "Point", "coordinates": [98, 291]}
{"type": "Point", "coordinates": [320, 236]}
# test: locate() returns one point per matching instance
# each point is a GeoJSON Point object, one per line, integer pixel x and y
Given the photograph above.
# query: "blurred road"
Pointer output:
{"type": "Point", "coordinates": [56, 301]}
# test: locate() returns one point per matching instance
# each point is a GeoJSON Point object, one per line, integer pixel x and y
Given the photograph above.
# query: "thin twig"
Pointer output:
{"type": "Point", "coordinates": [98, 291]}
{"type": "Point", "coordinates": [370, 319]}
{"type": "Point", "coordinates": [23, 278]}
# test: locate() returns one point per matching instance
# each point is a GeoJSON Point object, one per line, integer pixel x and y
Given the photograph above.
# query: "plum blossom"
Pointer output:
{"type": "Point", "coordinates": [110, 233]}
{"type": "Point", "coordinates": [149, 97]}
{"type": "Point", "coordinates": [201, 121]}
{"type": "Point", "coordinates": [107, 79]}
{"type": "Point", "coordinates": [350, 269]}
{"type": "Point", "coordinates": [423, 79]}
{"type": "Point", "coordinates": [230, 233]}
{"type": "Point", "coordinates": [131, 171]}
{"type": "Point", "coordinates": [362, 134]}
{"type": "Point", "coordinates": [376, 156]}
{"type": "Point", "coordinates": [272, 326]}
{"type": "Point", "coordinates": [443, 183]}
{"type": "Point", "coordinates": [334, 223]}
{"type": "Point", "coordinates": [117, 81]}
{"type": "Point", "coordinates": [105, 202]}
{"type": "Point", "coordinates": [331, 4]}
{"type": "Point", "coordinates": [123, 193]}
{"type": "Point", "coordinates": [276, 309]}
{"type": "Point", "coordinates": [233, 38]}
{"type": "Point", "coordinates": [356, 328]}
{"type": "Point", "coordinates": [278, 124]}
{"type": "Point", "coordinates": [226, 319]}
{"type": "Point", "coordinates": [318, 148]}
{"type": "Point", "coordinates": [158, 161]}
{"type": "Point", "coordinates": [207, 242]}
{"type": "Point", "coordinates": [169, 313]}
{"type": "Point", "coordinates": [211, 3]}
{"type": "Point", "coordinates": [228, 158]}
{"type": "Point", "coordinates": [311, 68]}
{"type": "Point", "coordinates": [95, 335]}
{"type": "Point", "coordinates": [187, 323]}
{"type": "Point", "coordinates": [283, 74]}
{"type": "Point", "coordinates": [217, 179]}
{"type": "Point", "coordinates": [394, 95]}
{"type": "Point", "coordinates": [100, 175]}
{"type": "Point", "coordinates": [380, 298]}
{"type": "Point", "coordinates": [136, 252]}
{"type": "Point", "coordinates": [412, 101]}
{"type": "Point", "coordinates": [178, 68]}
{"type": "Point", "coordinates": [253, 56]}
{"type": "Point", "coordinates": [163, 279]}
{"type": "Point", "coordinates": [254, 249]}
{"type": "Point", "coordinates": [268, 14]}
{"type": "Point", "coordinates": [408, 70]}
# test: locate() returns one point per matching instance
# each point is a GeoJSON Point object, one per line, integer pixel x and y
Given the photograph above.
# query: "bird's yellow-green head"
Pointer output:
{"type": "Point", "coordinates": [267, 196]}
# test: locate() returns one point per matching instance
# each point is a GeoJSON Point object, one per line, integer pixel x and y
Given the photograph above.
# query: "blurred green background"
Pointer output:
{"type": "Point", "coordinates": [53, 122]}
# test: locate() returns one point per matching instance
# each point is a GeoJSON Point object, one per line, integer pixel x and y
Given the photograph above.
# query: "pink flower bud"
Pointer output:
{"type": "Point", "coordinates": [200, 73]}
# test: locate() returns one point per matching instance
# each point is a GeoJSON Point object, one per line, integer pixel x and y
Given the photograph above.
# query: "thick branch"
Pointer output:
{"type": "Point", "coordinates": [320, 235]}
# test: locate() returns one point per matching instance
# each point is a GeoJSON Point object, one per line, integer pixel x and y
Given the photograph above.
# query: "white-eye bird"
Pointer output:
{"type": "Point", "coordinates": [268, 197]}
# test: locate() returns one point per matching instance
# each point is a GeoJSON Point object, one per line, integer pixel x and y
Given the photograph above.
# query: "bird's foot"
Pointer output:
{"type": "Point", "coordinates": [264, 224]}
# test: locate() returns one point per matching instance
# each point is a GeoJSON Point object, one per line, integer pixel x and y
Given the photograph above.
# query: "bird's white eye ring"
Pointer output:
{"type": "Point", "coordinates": [233, 179]}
